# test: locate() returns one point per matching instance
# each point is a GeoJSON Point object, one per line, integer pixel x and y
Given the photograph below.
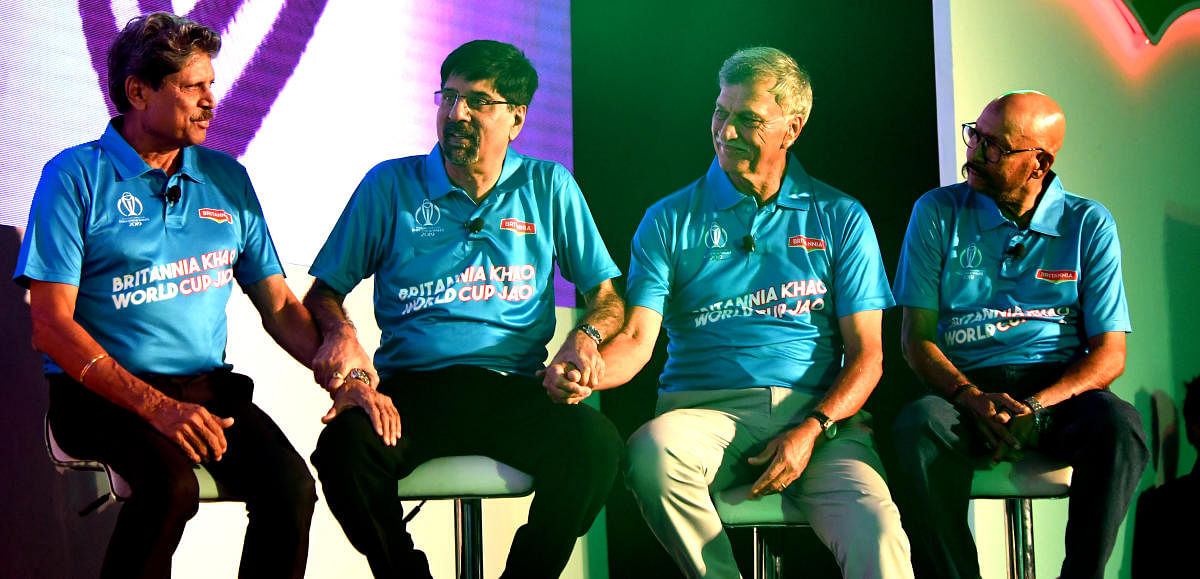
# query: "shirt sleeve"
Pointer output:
{"type": "Point", "coordinates": [919, 273]}
{"type": "Point", "coordinates": [860, 280]}
{"type": "Point", "coordinates": [580, 252]}
{"type": "Point", "coordinates": [650, 271]}
{"type": "Point", "coordinates": [258, 259]}
{"type": "Point", "coordinates": [356, 246]}
{"type": "Point", "coordinates": [1101, 287]}
{"type": "Point", "coordinates": [54, 236]}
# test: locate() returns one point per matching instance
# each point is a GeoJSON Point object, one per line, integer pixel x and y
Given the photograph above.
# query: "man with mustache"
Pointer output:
{"type": "Point", "coordinates": [771, 288]}
{"type": "Point", "coordinates": [462, 243]}
{"type": "Point", "coordinates": [1015, 318]}
{"type": "Point", "coordinates": [132, 244]}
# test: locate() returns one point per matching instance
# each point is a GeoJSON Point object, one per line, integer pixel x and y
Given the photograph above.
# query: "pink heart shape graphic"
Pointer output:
{"type": "Point", "coordinates": [250, 97]}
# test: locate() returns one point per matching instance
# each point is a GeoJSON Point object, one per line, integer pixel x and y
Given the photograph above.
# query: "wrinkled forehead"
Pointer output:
{"type": "Point", "coordinates": [461, 84]}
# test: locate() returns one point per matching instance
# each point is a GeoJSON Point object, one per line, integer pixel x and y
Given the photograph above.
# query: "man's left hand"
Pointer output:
{"type": "Point", "coordinates": [582, 352]}
{"type": "Point", "coordinates": [562, 383]}
{"type": "Point", "coordinates": [788, 454]}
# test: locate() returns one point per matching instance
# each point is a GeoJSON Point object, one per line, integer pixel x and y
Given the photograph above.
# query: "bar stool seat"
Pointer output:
{"type": "Point", "coordinates": [737, 509]}
{"type": "Point", "coordinates": [1034, 476]}
{"type": "Point", "coordinates": [466, 480]}
{"type": "Point", "coordinates": [118, 488]}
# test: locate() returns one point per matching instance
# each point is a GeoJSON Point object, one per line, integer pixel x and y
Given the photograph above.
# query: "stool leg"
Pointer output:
{"type": "Point", "coordinates": [468, 538]}
{"type": "Point", "coordinates": [1019, 522]}
{"type": "Point", "coordinates": [764, 560]}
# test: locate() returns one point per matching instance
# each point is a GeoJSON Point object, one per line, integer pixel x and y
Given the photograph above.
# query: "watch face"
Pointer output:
{"type": "Point", "coordinates": [830, 429]}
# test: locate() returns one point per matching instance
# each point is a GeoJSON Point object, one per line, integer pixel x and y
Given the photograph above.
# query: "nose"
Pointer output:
{"type": "Point", "coordinates": [727, 130]}
{"type": "Point", "coordinates": [458, 109]}
{"type": "Point", "coordinates": [208, 99]}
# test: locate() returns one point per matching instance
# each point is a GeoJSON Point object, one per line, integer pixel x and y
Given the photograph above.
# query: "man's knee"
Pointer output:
{"type": "Point", "coordinates": [926, 417]}
{"type": "Point", "coordinates": [654, 458]}
{"type": "Point", "coordinates": [171, 490]}
{"type": "Point", "coordinates": [1110, 422]}
{"type": "Point", "coordinates": [341, 445]}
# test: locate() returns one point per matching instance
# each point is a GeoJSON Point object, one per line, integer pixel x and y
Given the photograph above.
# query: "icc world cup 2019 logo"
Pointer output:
{"type": "Point", "coordinates": [428, 214]}
{"type": "Point", "coordinates": [129, 206]}
{"type": "Point", "coordinates": [716, 237]}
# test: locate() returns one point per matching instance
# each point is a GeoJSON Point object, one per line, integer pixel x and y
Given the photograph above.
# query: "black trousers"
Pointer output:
{"type": "Point", "coordinates": [572, 453]}
{"type": "Point", "coordinates": [1096, 432]}
{"type": "Point", "coordinates": [260, 466]}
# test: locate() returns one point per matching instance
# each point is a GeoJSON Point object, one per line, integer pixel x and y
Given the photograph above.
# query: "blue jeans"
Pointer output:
{"type": "Point", "coordinates": [1096, 432]}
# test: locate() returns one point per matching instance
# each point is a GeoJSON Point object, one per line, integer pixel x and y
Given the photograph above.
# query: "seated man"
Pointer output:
{"type": "Point", "coordinates": [132, 243]}
{"type": "Point", "coordinates": [771, 289]}
{"type": "Point", "coordinates": [1015, 317]}
{"type": "Point", "coordinates": [462, 243]}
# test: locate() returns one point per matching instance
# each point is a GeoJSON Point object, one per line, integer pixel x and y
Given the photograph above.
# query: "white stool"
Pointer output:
{"type": "Point", "coordinates": [118, 489]}
{"type": "Point", "coordinates": [736, 509]}
{"type": "Point", "coordinates": [466, 480]}
{"type": "Point", "coordinates": [1033, 477]}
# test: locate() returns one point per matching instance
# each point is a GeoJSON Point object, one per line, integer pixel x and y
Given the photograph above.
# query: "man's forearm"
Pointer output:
{"type": "Point", "coordinates": [605, 310]}
{"type": "Point", "coordinates": [853, 385]}
{"type": "Point", "coordinates": [325, 306]}
{"type": "Point", "coordinates": [1096, 370]}
{"type": "Point", "coordinates": [934, 368]}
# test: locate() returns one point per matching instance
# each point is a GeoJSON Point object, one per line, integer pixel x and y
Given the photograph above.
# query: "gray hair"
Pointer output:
{"type": "Point", "coordinates": [793, 86]}
{"type": "Point", "coordinates": [152, 47]}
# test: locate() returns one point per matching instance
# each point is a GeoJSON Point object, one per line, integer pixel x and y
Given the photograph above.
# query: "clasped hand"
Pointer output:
{"type": "Point", "coordinates": [1006, 423]}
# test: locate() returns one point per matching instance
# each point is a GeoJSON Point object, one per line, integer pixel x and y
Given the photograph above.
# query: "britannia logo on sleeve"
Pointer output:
{"type": "Point", "coordinates": [218, 215]}
{"type": "Point", "coordinates": [130, 208]}
{"type": "Point", "coordinates": [809, 244]}
{"type": "Point", "coordinates": [1057, 276]}
{"type": "Point", "coordinates": [519, 227]}
{"type": "Point", "coordinates": [717, 237]}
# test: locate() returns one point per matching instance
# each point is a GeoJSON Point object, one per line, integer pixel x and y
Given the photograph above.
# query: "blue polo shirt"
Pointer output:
{"type": "Point", "coordinates": [153, 276]}
{"type": "Point", "coordinates": [1011, 296]}
{"type": "Point", "coordinates": [742, 318]}
{"type": "Point", "coordinates": [458, 282]}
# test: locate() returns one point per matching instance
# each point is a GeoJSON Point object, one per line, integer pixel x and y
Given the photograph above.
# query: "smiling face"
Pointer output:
{"type": "Point", "coordinates": [471, 137]}
{"type": "Point", "coordinates": [751, 132]}
{"type": "Point", "coordinates": [176, 114]}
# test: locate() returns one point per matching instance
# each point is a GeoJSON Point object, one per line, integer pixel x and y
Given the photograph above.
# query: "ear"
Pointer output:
{"type": "Point", "coordinates": [518, 122]}
{"type": "Point", "coordinates": [137, 91]}
{"type": "Point", "coordinates": [1044, 161]}
{"type": "Point", "coordinates": [794, 126]}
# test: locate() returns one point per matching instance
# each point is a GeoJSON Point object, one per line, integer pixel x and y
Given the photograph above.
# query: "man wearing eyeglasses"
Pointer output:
{"type": "Point", "coordinates": [1015, 317]}
{"type": "Point", "coordinates": [462, 243]}
{"type": "Point", "coordinates": [771, 288]}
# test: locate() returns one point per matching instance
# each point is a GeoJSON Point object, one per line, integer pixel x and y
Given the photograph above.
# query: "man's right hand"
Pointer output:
{"type": "Point", "coordinates": [993, 412]}
{"type": "Point", "coordinates": [563, 383]}
{"type": "Point", "coordinates": [338, 355]}
{"type": "Point", "coordinates": [379, 408]}
{"type": "Point", "coordinates": [197, 431]}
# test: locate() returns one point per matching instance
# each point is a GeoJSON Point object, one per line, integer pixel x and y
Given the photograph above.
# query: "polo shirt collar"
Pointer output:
{"type": "Point", "coordinates": [438, 182]}
{"type": "Point", "coordinates": [129, 164]}
{"type": "Point", "coordinates": [1046, 215]}
{"type": "Point", "coordinates": [795, 191]}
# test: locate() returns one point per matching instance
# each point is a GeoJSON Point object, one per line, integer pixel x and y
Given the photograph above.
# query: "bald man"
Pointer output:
{"type": "Point", "coordinates": [1015, 318]}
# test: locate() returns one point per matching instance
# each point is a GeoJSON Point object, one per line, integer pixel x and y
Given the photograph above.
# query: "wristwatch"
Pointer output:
{"type": "Point", "coordinates": [828, 425]}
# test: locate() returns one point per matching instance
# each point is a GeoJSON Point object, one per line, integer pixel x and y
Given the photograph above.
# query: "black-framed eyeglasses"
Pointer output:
{"type": "Point", "coordinates": [992, 151]}
{"type": "Point", "coordinates": [448, 98]}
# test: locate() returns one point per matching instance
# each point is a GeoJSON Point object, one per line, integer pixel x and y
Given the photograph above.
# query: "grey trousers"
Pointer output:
{"type": "Point", "coordinates": [698, 445]}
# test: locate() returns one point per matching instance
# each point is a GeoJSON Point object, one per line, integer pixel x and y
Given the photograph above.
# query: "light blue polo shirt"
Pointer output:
{"type": "Point", "coordinates": [153, 276]}
{"type": "Point", "coordinates": [742, 318]}
{"type": "Point", "coordinates": [1011, 296]}
{"type": "Point", "coordinates": [447, 295]}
